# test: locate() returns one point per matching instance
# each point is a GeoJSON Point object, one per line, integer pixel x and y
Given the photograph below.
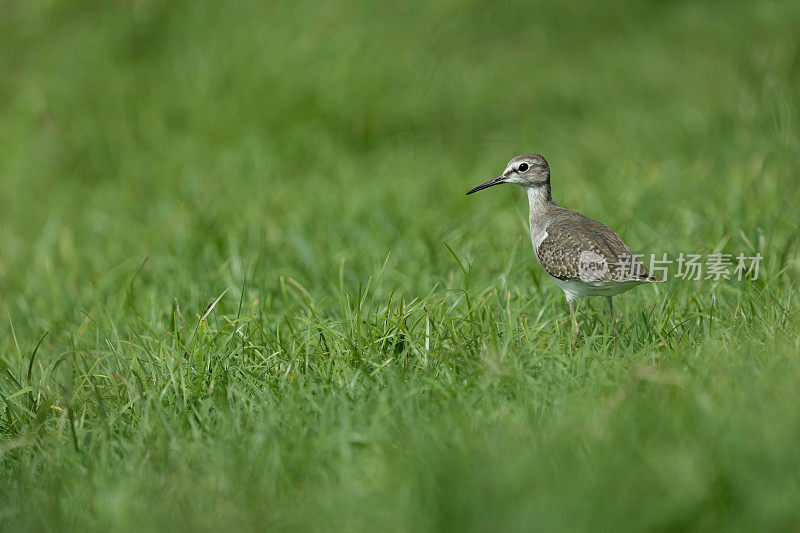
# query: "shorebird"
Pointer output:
{"type": "Point", "coordinates": [583, 256]}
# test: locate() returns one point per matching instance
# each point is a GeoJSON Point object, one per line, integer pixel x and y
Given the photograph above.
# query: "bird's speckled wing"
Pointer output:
{"type": "Point", "coordinates": [577, 247]}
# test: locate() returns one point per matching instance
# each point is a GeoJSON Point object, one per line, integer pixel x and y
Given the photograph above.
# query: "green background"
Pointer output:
{"type": "Point", "coordinates": [385, 352]}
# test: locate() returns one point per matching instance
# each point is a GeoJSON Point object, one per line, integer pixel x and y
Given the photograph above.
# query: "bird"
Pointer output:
{"type": "Point", "coordinates": [584, 257]}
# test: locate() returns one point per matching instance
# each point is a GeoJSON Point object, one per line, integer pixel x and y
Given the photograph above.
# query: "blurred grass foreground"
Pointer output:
{"type": "Point", "coordinates": [242, 286]}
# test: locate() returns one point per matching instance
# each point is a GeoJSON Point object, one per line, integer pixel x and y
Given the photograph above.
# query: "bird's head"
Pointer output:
{"type": "Point", "coordinates": [528, 170]}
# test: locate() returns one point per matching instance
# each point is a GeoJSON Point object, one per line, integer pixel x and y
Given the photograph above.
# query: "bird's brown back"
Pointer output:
{"type": "Point", "coordinates": [573, 241]}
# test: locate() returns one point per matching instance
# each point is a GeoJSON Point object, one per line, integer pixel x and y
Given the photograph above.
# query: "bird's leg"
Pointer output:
{"type": "Point", "coordinates": [611, 312]}
{"type": "Point", "coordinates": [574, 322]}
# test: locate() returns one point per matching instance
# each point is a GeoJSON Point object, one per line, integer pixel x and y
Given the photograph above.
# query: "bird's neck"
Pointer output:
{"type": "Point", "coordinates": [539, 198]}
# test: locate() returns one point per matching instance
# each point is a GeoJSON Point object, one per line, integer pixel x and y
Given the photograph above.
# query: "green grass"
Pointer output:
{"type": "Point", "coordinates": [229, 299]}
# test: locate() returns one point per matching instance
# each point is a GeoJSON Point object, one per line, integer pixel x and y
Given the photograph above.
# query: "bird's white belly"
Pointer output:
{"type": "Point", "coordinates": [575, 289]}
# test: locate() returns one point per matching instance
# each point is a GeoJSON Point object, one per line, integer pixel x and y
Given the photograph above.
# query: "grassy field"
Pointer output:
{"type": "Point", "coordinates": [241, 285]}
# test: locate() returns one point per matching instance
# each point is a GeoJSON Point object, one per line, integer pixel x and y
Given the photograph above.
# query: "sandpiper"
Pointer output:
{"type": "Point", "coordinates": [583, 256]}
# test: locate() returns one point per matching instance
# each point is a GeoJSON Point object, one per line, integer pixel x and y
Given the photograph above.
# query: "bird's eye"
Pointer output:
{"type": "Point", "coordinates": [523, 167]}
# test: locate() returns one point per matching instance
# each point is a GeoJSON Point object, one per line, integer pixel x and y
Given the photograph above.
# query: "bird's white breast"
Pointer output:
{"type": "Point", "coordinates": [538, 235]}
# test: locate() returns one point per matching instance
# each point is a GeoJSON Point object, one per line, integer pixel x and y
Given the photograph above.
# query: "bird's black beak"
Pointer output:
{"type": "Point", "coordinates": [491, 183]}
